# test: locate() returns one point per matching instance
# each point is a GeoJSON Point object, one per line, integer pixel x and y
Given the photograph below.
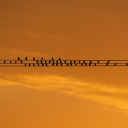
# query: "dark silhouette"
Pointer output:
{"type": "Point", "coordinates": [41, 58]}
{"type": "Point", "coordinates": [10, 62]}
{"type": "Point", "coordinates": [38, 64]}
{"type": "Point", "coordinates": [106, 64]}
{"type": "Point", "coordinates": [59, 58]}
{"type": "Point", "coordinates": [33, 64]}
{"type": "Point", "coordinates": [21, 61]}
{"type": "Point", "coordinates": [52, 63]}
{"type": "Point", "coordinates": [26, 58]}
{"type": "Point", "coordinates": [49, 61]}
{"type": "Point", "coordinates": [65, 61]}
{"type": "Point", "coordinates": [33, 58]}
{"type": "Point", "coordinates": [15, 62]}
{"type": "Point", "coordinates": [37, 61]}
{"type": "Point", "coordinates": [4, 62]}
{"type": "Point", "coordinates": [98, 61]}
{"type": "Point", "coordinates": [18, 58]}
{"type": "Point", "coordinates": [29, 64]}
{"type": "Point", "coordinates": [81, 64]}
{"type": "Point", "coordinates": [52, 59]}
{"type": "Point", "coordinates": [25, 65]}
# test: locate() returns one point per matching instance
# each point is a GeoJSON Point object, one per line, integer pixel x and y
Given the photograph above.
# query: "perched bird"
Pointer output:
{"type": "Point", "coordinates": [18, 58]}
{"type": "Point", "coordinates": [33, 58]}
{"type": "Point", "coordinates": [26, 58]}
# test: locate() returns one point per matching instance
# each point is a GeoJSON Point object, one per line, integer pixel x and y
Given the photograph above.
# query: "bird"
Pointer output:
{"type": "Point", "coordinates": [18, 58]}
{"type": "Point", "coordinates": [26, 58]}
{"type": "Point", "coordinates": [33, 58]}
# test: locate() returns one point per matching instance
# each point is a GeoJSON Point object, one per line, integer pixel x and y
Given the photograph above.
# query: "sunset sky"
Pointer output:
{"type": "Point", "coordinates": [64, 97]}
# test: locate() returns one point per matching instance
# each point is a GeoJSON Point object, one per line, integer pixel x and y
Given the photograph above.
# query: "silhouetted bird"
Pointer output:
{"type": "Point", "coordinates": [33, 64]}
{"type": "Point", "coordinates": [53, 63]}
{"type": "Point", "coordinates": [41, 58]}
{"type": "Point", "coordinates": [29, 64]}
{"type": "Point", "coordinates": [76, 64]}
{"type": "Point", "coordinates": [10, 61]}
{"type": "Point", "coordinates": [38, 64]}
{"type": "Point", "coordinates": [37, 61]}
{"type": "Point", "coordinates": [84, 61]}
{"type": "Point", "coordinates": [18, 58]}
{"type": "Point", "coordinates": [49, 61]}
{"type": "Point", "coordinates": [15, 62]}
{"type": "Point", "coordinates": [52, 58]}
{"type": "Point", "coordinates": [108, 61]}
{"type": "Point", "coordinates": [4, 61]}
{"type": "Point", "coordinates": [67, 64]}
{"type": "Point", "coordinates": [65, 61]}
{"type": "Point", "coordinates": [107, 64]}
{"type": "Point", "coordinates": [74, 61]}
{"type": "Point", "coordinates": [98, 61]}
{"type": "Point", "coordinates": [21, 61]}
{"type": "Point", "coordinates": [41, 61]}
{"type": "Point", "coordinates": [115, 64]}
{"type": "Point", "coordinates": [26, 58]}
{"type": "Point", "coordinates": [33, 58]}
{"type": "Point", "coordinates": [61, 64]}
{"type": "Point", "coordinates": [25, 65]}
{"type": "Point", "coordinates": [59, 58]}
{"type": "Point", "coordinates": [95, 64]}
{"type": "Point", "coordinates": [85, 64]}
{"type": "Point", "coordinates": [81, 64]}
{"type": "Point", "coordinates": [43, 64]}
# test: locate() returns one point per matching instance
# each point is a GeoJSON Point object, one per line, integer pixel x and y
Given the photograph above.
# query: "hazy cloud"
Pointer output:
{"type": "Point", "coordinates": [104, 94]}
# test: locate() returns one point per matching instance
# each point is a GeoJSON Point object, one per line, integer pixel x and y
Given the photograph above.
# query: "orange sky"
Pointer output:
{"type": "Point", "coordinates": [59, 97]}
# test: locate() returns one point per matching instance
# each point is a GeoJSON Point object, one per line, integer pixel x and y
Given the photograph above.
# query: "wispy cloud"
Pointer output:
{"type": "Point", "coordinates": [104, 94]}
{"type": "Point", "coordinates": [5, 50]}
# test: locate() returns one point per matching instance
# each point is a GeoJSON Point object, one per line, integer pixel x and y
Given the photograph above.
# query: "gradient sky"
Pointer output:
{"type": "Point", "coordinates": [66, 97]}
